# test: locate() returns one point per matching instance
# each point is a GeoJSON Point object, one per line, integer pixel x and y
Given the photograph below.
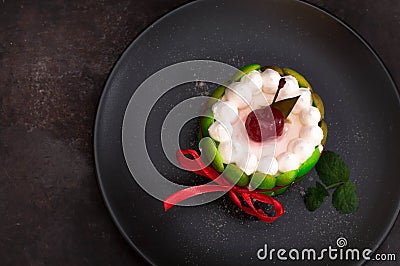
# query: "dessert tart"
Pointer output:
{"type": "Point", "coordinates": [264, 129]}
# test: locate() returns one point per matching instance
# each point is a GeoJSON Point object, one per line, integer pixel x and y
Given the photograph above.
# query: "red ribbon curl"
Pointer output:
{"type": "Point", "coordinates": [222, 185]}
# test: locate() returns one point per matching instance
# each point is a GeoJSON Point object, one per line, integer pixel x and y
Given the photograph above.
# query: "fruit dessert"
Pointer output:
{"type": "Point", "coordinates": [264, 129]}
{"type": "Point", "coordinates": [261, 132]}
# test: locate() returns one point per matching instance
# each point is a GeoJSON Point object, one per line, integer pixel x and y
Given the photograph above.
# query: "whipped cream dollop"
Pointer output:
{"type": "Point", "coordinates": [254, 81]}
{"type": "Point", "coordinates": [288, 161]}
{"type": "Point", "coordinates": [225, 111]}
{"type": "Point", "coordinates": [302, 148]}
{"type": "Point", "coordinates": [239, 94]}
{"type": "Point", "coordinates": [268, 165]}
{"type": "Point", "coordinates": [221, 132]}
{"type": "Point", "coordinates": [310, 115]}
{"type": "Point", "coordinates": [285, 153]}
{"type": "Point", "coordinates": [270, 81]}
{"type": "Point", "coordinates": [312, 133]}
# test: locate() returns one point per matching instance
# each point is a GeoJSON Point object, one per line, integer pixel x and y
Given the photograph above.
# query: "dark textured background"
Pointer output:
{"type": "Point", "coordinates": [54, 59]}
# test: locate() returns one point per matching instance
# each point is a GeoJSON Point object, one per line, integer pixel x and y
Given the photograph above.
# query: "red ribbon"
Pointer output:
{"type": "Point", "coordinates": [222, 185]}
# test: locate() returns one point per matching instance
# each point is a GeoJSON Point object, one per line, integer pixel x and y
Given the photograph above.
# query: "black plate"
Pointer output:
{"type": "Point", "coordinates": [362, 111]}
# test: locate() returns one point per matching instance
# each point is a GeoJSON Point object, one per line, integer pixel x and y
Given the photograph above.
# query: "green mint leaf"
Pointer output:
{"type": "Point", "coordinates": [345, 199]}
{"type": "Point", "coordinates": [331, 168]}
{"type": "Point", "coordinates": [315, 196]}
{"type": "Point", "coordinates": [322, 189]}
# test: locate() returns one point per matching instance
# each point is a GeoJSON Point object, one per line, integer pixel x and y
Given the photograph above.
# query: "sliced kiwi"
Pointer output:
{"type": "Point", "coordinates": [286, 178]}
{"type": "Point", "coordinates": [277, 69]}
{"type": "Point", "coordinates": [219, 92]}
{"type": "Point", "coordinates": [235, 175]}
{"type": "Point", "coordinates": [317, 102]}
{"type": "Point", "coordinates": [280, 191]}
{"type": "Point", "coordinates": [245, 70]}
{"type": "Point", "coordinates": [216, 95]}
{"type": "Point", "coordinates": [275, 192]}
{"type": "Point", "coordinates": [309, 163]}
{"type": "Point", "coordinates": [209, 152]}
{"type": "Point", "coordinates": [265, 181]}
{"type": "Point", "coordinates": [303, 83]}
{"type": "Point", "coordinates": [322, 124]}
{"type": "Point", "coordinates": [299, 178]}
{"type": "Point", "coordinates": [206, 121]}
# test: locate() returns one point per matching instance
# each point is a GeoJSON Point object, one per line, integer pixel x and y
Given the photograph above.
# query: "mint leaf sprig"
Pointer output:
{"type": "Point", "coordinates": [334, 174]}
{"type": "Point", "coordinates": [315, 196]}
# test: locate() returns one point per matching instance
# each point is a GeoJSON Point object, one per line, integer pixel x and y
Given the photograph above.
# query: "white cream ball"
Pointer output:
{"type": "Point", "coordinates": [310, 116]}
{"type": "Point", "coordinates": [248, 164]}
{"type": "Point", "coordinates": [239, 94]}
{"type": "Point", "coordinates": [238, 151]}
{"type": "Point", "coordinates": [268, 165]}
{"type": "Point", "coordinates": [259, 101]}
{"type": "Point", "coordinates": [254, 81]}
{"type": "Point", "coordinates": [288, 161]}
{"type": "Point", "coordinates": [301, 148]}
{"type": "Point", "coordinates": [231, 151]}
{"type": "Point", "coordinates": [312, 133]}
{"type": "Point", "coordinates": [270, 81]}
{"type": "Point", "coordinates": [286, 95]}
{"type": "Point", "coordinates": [220, 131]}
{"type": "Point", "coordinates": [291, 86]}
{"type": "Point", "coordinates": [304, 101]}
{"type": "Point", "coordinates": [225, 111]}
{"type": "Point", "coordinates": [290, 89]}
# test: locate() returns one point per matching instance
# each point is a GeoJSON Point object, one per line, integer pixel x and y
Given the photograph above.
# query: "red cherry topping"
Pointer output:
{"type": "Point", "coordinates": [263, 125]}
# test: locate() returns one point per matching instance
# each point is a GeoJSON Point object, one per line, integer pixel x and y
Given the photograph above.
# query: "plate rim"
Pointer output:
{"type": "Point", "coordinates": [118, 62]}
